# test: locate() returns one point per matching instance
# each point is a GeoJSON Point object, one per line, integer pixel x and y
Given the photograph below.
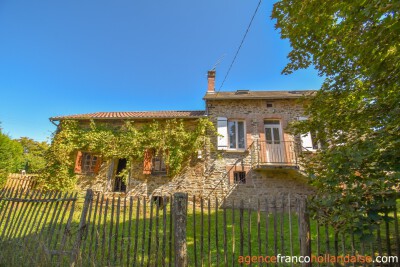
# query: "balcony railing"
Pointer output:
{"type": "Point", "coordinates": [274, 154]}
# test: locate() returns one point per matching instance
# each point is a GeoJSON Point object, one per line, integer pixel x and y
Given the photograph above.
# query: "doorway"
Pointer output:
{"type": "Point", "coordinates": [119, 182]}
{"type": "Point", "coordinates": [274, 142]}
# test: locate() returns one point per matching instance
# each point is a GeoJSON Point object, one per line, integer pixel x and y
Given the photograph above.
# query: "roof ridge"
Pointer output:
{"type": "Point", "coordinates": [135, 114]}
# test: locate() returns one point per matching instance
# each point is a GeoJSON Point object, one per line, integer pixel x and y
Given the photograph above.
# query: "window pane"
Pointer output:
{"type": "Point", "coordinates": [277, 136]}
{"type": "Point", "coordinates": [272, 122]}
{"type": "Point", "coordinates": [313, 139]}
{"type": "Point", "coordinates": [241, 134]}
{"type": "Point", "coordinates": [239, 177]}
{"type": "Point", "coordinates": [232, 134]}
{"type": "Point", "coordinates": [268, 135]}
{"type": "Point", "coordinates": [157, 164]}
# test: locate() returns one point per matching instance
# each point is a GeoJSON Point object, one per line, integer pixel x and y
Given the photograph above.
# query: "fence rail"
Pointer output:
{"type": "Point", "coordinates": [35, 224]}
{"type": "Point", "coordinates": [22, 181]}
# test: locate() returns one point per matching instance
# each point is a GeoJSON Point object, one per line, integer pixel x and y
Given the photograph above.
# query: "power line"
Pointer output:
{"type": "Point", "coordinates": [240, 46]}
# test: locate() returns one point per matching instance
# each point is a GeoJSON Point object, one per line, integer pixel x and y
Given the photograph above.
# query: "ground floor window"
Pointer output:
{"type": "Point", "coordinates": [87, 163]}
{"type": "Point", "coordinates": [155, 162]}
{"type": "Point", "coordinates": [159, 166]}
{"type": "Point", "coordinates": [239, 177]}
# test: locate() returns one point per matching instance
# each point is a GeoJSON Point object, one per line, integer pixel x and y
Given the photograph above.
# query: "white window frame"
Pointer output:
{"type": "Point", "coordinates": [308, 139]}
{"type": "Point", "coordinates": [237, 134]}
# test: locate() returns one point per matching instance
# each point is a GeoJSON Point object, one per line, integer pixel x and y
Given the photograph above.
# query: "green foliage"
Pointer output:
{"type": "Point", "coordinates": [34, 154]}
{"type": "Point", "coordinates": [175, 140]}
{"type": "Point", "coordinates": [10, 157]}
{"type": "Point", "coordinates": [355, 45]}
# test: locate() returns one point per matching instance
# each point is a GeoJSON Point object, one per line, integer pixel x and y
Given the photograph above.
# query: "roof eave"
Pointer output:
{"type": "Point", "coordinates": [123, 118]}
{"type": "Point", "coordinates": [253, 97]}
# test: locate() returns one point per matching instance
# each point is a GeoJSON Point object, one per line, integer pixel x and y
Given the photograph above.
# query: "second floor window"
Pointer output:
{"type": "Point", "coordinates": [236, 134]}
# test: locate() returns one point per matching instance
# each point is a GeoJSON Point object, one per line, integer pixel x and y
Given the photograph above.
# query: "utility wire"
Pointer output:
{"type": "Point", "coordinates": [240, 46]}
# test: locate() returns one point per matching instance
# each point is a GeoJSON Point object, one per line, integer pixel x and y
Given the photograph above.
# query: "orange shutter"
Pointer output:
{"type": "Point", "coordinates": [78, 162]}
{"type": "Point", "coordinates": [148, 161]}
{"type": "Point", "coordinates": [97, 166]}
{"type": "Point", "coordinates": [165, 161]}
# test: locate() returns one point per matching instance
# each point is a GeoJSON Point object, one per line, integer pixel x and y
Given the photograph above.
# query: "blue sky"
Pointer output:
{"type": "Point", "coordinates": [73, 57]}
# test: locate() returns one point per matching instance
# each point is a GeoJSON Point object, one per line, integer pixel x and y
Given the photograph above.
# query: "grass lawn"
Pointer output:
{"type": "Point", "coordinates": [213, 236]}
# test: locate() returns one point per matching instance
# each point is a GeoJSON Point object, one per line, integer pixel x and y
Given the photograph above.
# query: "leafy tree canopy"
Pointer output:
{"type": "Point", "coordinates": [11, 159]}
{"type": "Point", "coordinates": [356, 46]}
{"type": "Point", "coordinates": [34, 154]}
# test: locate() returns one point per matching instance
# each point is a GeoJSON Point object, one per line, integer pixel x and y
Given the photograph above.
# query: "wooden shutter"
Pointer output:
{"type": "Point", "coordinates": [97, 166]}
{"type": "Point", "coordinates": [306, 140]}
{"type": "Point", "coordinates": [222, 127]}
{"type": "Point", "coordinates": [148, 161]}
{"type": "Point", "coordinates": [78, 162]}
{"type": "Point", "coordinates": [165, 161]}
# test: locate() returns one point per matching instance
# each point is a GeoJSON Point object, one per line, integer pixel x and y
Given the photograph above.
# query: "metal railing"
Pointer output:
{"type": "Point", "coordinates": [274, 153]}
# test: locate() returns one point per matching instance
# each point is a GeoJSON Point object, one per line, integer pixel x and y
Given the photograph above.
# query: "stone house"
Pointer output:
{"type": "Point", "coordinates": [256, 157]}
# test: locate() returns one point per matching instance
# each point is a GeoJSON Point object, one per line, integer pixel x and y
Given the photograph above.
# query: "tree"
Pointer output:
{"type": "Point", "coordinates": [10, 156]}
{"type": "Point", "coordinates": [356, 46]}
{"type": "Point", "coordinates": [34, 154]}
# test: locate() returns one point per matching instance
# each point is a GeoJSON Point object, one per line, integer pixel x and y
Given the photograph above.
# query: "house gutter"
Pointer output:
{"type": "Point", "coordinates": [52, 121]}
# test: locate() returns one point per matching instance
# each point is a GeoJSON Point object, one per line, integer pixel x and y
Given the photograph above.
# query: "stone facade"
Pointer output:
{"type": "Point", "coordinates": [264, 184]}
{"type": "Point", "coordinates": [213, 175]}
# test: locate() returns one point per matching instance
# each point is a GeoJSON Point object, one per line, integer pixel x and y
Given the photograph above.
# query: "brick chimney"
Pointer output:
{"type": "Point", "coordinates": [211, 82]}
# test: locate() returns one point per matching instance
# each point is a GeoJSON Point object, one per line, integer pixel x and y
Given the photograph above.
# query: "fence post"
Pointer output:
{"type": "Point", "coordinates": [304, 228]}
{"type": "Point", "coordinates": [82, 226]}
{"type": "Point", "coordinates": [180, 217]}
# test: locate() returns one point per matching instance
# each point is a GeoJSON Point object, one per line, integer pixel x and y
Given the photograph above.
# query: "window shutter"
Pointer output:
{"type": "Point", "coordinates": [166, 161]}
{"type": "Point", "coordinates": [78, 163]}
{"type": "Point", "coordinates": [306, 140]}
{"type": "Point", "coordinates": [147, 162]}
{"type": "Point", "coordinates": [222, 126]}
{"type": "Point", "coordinates": [97, 166]}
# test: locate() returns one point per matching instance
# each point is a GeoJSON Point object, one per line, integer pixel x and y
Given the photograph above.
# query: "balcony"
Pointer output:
{"type": "Point", "coordinates": [275, 154]}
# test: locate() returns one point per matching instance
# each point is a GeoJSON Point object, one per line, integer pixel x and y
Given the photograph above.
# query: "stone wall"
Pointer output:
{"type": "Point", "coordinates": [267, 184]}
{"type": "Point", "coordinates": [211, 176]}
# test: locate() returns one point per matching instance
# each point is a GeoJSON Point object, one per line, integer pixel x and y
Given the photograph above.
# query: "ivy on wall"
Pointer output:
{"type": "Point", "coordinates": [175, 139]}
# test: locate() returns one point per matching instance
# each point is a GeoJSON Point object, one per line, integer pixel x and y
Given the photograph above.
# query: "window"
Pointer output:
{"type": "Point", "coordinates": [236, 134]}
{"type": "Point", "coordinates": [159, 166]}
{"type": "Point", "coordinates": [270, 105]}
{"type": "Point", "coordinates": [231, 134]}
{"type": "Point", "coordinates": [308, 140]}
{"type": "Point", "coordinates": [154, 163]}
{"type": "Point", "coordinates": [87, 163]}
{"type": "Point", "coordinates": [239, 177]}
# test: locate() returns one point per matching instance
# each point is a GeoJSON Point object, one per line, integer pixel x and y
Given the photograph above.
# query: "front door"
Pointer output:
{"type": "Point", "coordinates": [275, 152]}
{"type": "Point", "coordinates": [120, 182]}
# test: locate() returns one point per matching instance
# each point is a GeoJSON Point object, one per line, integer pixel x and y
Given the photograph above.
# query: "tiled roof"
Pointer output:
{"type": "Point", "coordinates": [247, 94]}
{"type": "Point", "coordinates": [134, 115]}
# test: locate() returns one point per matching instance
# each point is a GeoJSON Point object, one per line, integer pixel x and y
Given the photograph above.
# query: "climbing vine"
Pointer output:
{"type": "Point", "coordinates": [176, 140]}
